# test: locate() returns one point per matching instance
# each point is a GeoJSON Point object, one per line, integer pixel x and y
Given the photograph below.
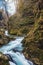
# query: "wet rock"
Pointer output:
{"type": "Point", "coordinates": [3, 59]}
{"type": "Point", "coordinates": [36, 61]}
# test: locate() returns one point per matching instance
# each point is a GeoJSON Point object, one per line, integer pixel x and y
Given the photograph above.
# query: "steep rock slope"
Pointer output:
{"type": "Point", "coordinates": [28, 21]}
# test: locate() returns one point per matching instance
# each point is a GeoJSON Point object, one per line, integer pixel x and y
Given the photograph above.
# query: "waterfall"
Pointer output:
{"type": "Point", "coordinates": [14, 50]}
{"type": "Point", "coordinates": [6, 33]}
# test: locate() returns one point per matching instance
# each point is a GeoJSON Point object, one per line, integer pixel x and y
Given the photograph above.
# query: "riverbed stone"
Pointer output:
{"type": "Point", "coordinates": [3, 59]}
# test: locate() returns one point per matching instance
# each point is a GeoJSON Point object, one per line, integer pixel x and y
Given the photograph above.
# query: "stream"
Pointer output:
{"type": "Point", "coordinates": [14, 50]}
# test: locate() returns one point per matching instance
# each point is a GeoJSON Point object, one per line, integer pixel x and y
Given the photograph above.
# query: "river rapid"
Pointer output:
{"type": "Point", "coordinates": [14, 51]}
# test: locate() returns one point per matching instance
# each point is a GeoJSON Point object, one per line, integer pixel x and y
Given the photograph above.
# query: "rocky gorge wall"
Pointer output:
{"type": "Point", "coordinates": [29, 22]}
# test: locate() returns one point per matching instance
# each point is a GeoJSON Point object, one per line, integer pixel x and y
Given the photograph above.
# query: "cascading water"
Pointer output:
{"type": "Point", "coordinates": [14, 50]}
{"type": "Point", "coordinates": [6, 33]}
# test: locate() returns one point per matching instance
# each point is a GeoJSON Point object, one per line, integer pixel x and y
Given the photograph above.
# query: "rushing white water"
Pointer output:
{"type": "Point", "coordinates": [6, 33]}
{"type": "Point", "coordinates": [17, 56]}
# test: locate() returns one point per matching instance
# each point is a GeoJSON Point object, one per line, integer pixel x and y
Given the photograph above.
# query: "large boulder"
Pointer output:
{"type": "Point", "coordinates": [3, 59]}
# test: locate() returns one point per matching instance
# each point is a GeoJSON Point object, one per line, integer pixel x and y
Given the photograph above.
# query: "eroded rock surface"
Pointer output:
{"type": "Point", "coordinates": [3, 59]}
